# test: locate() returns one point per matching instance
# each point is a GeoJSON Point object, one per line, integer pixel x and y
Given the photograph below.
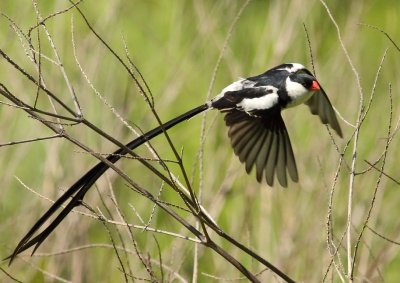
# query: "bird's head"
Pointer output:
{"type": "Point", "coordinates": [300, 85]}
{"type": "Point", "coordinates": [304, 81]}
{"type": "Point", "coordinates": [300, 80]}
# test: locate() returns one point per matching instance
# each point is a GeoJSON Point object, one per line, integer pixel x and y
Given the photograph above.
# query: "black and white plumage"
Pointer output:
{"type": "Point", "coordinates": [257, 131]}
{"type": "Point", "coordinates": [258, 134]}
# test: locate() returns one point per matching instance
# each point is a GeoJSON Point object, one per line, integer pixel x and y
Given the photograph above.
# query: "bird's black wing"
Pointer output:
{"type": "Point", "coordinates": [262, 141]}
{"type": "Point", "coordinates": [232, 99]}
{"type": "Point", "coordinates": [320, 105]}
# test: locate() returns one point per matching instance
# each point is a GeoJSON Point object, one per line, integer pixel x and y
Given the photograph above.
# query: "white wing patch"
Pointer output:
{"type": "Point", "coordinates": [239, 85]}
{"type": "Point", "coordinates": [260, 103]}
{"type": "Point", "coordinates": [235, 86]}
{"type": "Point", "coordinates": [295, 67]}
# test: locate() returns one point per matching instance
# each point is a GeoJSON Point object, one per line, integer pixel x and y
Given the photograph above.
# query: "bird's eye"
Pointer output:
{"type": "Point", "coordinates": [307, 84]}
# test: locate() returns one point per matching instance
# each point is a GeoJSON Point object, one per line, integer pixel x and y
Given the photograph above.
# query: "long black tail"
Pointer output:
{"type": "Point", "coordinates": [78, 190]}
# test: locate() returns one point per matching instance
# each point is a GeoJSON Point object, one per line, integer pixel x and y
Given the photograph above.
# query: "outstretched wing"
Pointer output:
{"type": "Point", "coordinates": [262, 141]}
{"type": "Point", "coordinates": [320, 105]}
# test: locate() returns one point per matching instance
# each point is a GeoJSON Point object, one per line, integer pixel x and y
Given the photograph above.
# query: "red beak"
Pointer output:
{"type": "Point", "coordinates": [315, 86]}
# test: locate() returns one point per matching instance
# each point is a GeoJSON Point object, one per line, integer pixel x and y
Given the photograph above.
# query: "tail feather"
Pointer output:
{"type": "Point", "coordinates": [78, 190]}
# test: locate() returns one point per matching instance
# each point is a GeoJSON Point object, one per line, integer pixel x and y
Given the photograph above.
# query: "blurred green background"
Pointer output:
{"type": "Point", "coordinates": [176, 46]}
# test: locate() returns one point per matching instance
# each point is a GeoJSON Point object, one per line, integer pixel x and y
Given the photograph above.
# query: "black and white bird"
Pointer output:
{"type": "Point", "coordinates": [257, 132]}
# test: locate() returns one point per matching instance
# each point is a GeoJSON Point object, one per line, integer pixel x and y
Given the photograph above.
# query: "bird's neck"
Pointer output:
{"type": "Point", "coordinates": [297, 94]}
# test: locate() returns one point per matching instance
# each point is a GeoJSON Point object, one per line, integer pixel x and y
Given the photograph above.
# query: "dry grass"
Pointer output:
{"type": "Point", "coordinates": [339, 220]}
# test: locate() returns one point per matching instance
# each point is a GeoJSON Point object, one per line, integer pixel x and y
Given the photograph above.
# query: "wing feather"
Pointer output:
{"type": "Point", "coordinates": [281, 159]}
{"type": "Point", "coordinates": [263, 142]}
{"type": "Point", "coordinates": [320, 105]}
{"type": "Point", "coordinates": [263, 155]}
{"type": "Point", "coordinates": [244, 152]}
{"type": "Point", "coordinates": [241, 137]}
{"type": "Point", "coordinates": [255, 150]}
{"type": "Point", "coordinates": [290, 161]}
{"type": "Point", "coordinates": [271, 160]}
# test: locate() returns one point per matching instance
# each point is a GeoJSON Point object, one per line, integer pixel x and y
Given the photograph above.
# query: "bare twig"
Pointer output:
{"type": "Point", "coordinates": [378, 181]}
{"type": "Point", "coordinates": [10, 276]}
{"type": "Point", "coordinates": [382, 172]}
{"type": "Point", "coordinates": [355, 144]}
{"type": "Point", "coordinates": [47, 273]}
{"type": "Point", "coordinates": [373, 91]}
{"type": "Point", "coordinates": [52, 15]}
{"type": "Point", "coordinates": [108, 246]}
{"type": "Point", "coordinates": [222, 279]}
{"type": "Point", "coordinates": [117, 223]}
{"type": "Point", "coordinates": [200, 156]}
{"type": "Point", "coordinates": [30, 140]}
{"type": "Point", "coordinates": [384, 32]}
{"type": "Point", "coordinates": [382, 236]}
{"type": "Point", "coordinates": [59, 63]}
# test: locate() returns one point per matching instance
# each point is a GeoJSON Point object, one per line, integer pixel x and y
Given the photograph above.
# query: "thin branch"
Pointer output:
{"type": "Point", "coordinates": [384, 32]}
{"type": "Point", "coordinates": [200, 156]}
{"type": "Point", "coordinates": [32, 79]}
{"type": "Point", "coordinates": [329, 227]}
{"type": "Point", "coordinates": [382, 236]}
{"type": "Point", "coordinates": [373, 91]}
{"type": "Point", "coordinates": [59, 62]}
{"type": "Point", "coordinates": [101, 218]}
{"type": "Point", "coordinates": [123, 156]}
{"type": "Point", "coordinates": [221, 279]}
{"type": "Point", "coordinates": [48, 274]}
{"type": "Point", "coordinates": [159, 258]}
{"type": "Point", "coordinates": [12, 105]}
{"type": "Point", "coordinates": [10, 276]}
{"type": "Point", "coordinates": [153, 209]}
{"type": "Point", "coordinates": [310, 52]}
{"type": "Point", "coordinates": [108, 246]}
{"type": "Point", "coordinates": [382, 172]}
{"type": "Point", "coordinates": [355, 143]}
{"type": "Point", "coordinates": [52, 15]}
{"type": "Point", "coordinates": [95, 216]}
{"type": "Point", "coordinates": [378, 181]}
{"type": "Point", "coordinates": [30, 140]}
